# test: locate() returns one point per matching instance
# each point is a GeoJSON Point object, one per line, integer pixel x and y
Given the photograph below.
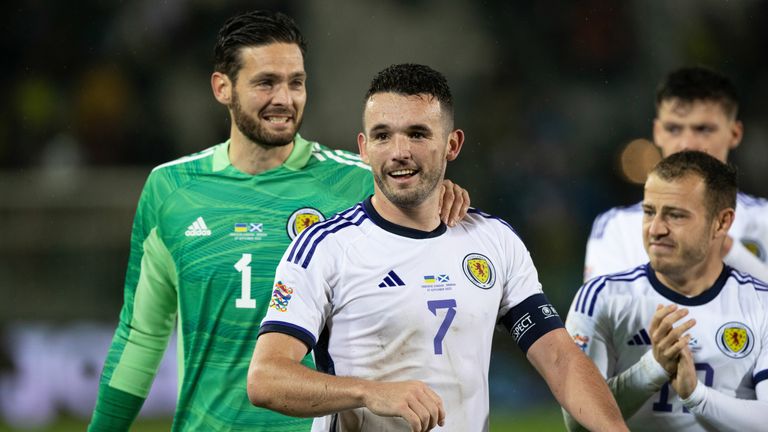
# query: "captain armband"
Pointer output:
{"type": "Point", "coordinates": [531, 319]}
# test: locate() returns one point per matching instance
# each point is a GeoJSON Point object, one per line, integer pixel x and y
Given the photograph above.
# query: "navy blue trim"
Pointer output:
{"type": "Point", "coordinates": [746, 278]}
{"type": "Point", "coordinates": [703, 298]}
{"type": "Point", "coordinates": [301, 241]}
{"type": "Point", "coordinates": [593, 287]}
{"type": "Point", "coordinates": [323, 359]}
{"type": "Point", "coordinates": [760, 376]}
{"type": "Point", "coordinates": [530, 320]}
{"type": "Point", "coordinates": [399, 229]}
{"type": "Point", "coordinates": [298, 332]}
{"type": "Point", "coordinates": [479, 212]}
{"type": "Point", "coordinates": [352, 217]}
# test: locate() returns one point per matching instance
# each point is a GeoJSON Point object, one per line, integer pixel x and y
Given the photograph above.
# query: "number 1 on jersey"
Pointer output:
{"type": "Point", "coordinates": [433, 306]}
{"type": "Point", "coordinates": [244, 267]}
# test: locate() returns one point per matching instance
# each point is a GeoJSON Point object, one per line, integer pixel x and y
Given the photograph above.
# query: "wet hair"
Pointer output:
{"type": "Point", "coordinates": [719, 178]}
{"type": "Point", "coordinates": [413, 79]}
{"type": "Point", "coordinates": [699, 84]}
{"type": "Point", "coordinates": [250, 29]}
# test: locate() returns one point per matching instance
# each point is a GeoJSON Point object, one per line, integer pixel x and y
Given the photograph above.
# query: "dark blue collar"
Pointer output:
{"type": "Point", "coordinates": [399, 229]}
{"type": "Point", "coordinates": [678, 298]}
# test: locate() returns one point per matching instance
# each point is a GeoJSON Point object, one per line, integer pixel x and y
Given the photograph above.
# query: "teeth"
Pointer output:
{"type": "Point", "coordinates": [277, 119]}
{"type": "Point", "coordinates": [402, 172]}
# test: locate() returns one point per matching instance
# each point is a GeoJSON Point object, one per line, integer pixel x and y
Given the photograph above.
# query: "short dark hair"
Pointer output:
{"type": "Point", "coordinates": [719, 178]}
{"type": "Point", "coordinates": [698, 83]}
{"type": "Point", "coordinates": [413, 79]}
{"type": "Point", "coordinates": [253, 28]}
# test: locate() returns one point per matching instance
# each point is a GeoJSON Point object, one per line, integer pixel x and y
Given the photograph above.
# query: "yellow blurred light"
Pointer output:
{"type": "Point", "coordinates": [637, 159]}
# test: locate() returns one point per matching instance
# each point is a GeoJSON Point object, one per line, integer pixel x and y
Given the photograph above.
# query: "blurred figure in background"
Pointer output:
{"type": "Point", "coordinates": [696, 109]}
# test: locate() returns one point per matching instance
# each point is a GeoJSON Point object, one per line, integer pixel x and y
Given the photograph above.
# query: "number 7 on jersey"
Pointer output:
{"type": "Point", "coordinates": [433, 306]}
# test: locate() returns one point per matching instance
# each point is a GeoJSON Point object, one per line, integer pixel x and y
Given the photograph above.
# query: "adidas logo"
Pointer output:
{"type": "Point", "coordinates": [391, 280]}
{"type": "Point", "coordinates": [197, 229]}
{"type": "Point", "coordinates": [640, 338]}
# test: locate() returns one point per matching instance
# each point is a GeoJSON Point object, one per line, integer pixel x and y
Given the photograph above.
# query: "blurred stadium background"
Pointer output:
{"type": "Point", "coordinates": [550, 95]}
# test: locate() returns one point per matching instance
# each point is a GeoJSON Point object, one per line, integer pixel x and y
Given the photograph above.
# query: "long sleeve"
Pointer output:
{"type": "Point", "coordinates": [728, 413]}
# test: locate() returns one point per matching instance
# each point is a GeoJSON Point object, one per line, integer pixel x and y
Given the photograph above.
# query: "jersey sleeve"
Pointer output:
{"type": "Point", "coordinates": [116, 409]}
{"type": "Point", "coordinates": [301, 294]}
{"type": "Point", "coordinates": [603, 254]}
{"type": "Point", "coordinates": [740, 258]}
{"type": "Point", "coordinates": [525, 312]}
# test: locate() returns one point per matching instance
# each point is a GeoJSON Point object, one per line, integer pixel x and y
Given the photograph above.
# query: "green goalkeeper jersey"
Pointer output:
{"type": "Point", "coordinates": [206, 241]}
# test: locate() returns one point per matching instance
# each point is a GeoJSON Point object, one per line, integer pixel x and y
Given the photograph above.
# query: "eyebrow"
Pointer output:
{"type": "Point", "coordinates": [274, 76]}
{"type": "Point", "coordinates": [663, 208]}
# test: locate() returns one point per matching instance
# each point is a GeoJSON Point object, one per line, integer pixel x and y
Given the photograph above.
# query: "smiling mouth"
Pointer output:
{"type": "Point", "coordinates": [277, 119]}
{"type": "Point", "coordinates": [403, 173]}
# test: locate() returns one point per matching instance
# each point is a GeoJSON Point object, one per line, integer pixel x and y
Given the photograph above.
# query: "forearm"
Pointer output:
{"type": "Point", "coordinates": [115, 410]}
{"type": "Point", "coordinates": [575, 382]}
{"type": "Point", "coordinates": [634, 386]}
{"type": "Point", "coordinates": [310, 393]}
{"type": "Point", "coordinates": [584, 395]}
{"type": "Point", "coordinates": [727, 413]}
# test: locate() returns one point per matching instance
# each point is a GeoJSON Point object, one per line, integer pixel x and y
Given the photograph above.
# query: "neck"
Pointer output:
{"type": "Point", "coordinates": [253, 158]}
{"type": "Point", "coordinates": [694, 280]}
{"type": "Point", "coordinates": [423, 217]}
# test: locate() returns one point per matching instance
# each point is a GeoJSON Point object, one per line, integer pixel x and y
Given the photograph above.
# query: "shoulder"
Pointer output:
{"type": "Point", "coordinates": [607, 286]}
{"type": "Point", "coordinates": [617, 216]}
{"type": "Point", "coordinates": [326, 235]}
{"type": "Point", "coordinates": [478, 221]}
{"type": "Point", "coordinates": [191, 163]}
{"type": "Point", "coordinates": [750, 203]}
{"type": "Point", "coordinates": [748, 282]}
{"type": "Point", "coordinates": [327, 158]}
{"type": "Point", "coordinates": [166, 178]}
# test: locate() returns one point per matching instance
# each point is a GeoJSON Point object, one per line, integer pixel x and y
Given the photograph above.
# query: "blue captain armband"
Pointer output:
{"type": "Point", "coordinates": [531, 319]}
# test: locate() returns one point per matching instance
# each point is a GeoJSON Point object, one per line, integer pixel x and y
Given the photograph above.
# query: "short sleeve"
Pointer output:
{"type": "Point", "coordinates": [301, 294]}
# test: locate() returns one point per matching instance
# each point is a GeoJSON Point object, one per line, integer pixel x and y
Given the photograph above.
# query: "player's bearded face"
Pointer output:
{"type": "Point", "coordinates": [269, 94]}
{"type": "Point", "coordinates": [258, 128]}
{"type": "Point", "coordinates": [677, 227]}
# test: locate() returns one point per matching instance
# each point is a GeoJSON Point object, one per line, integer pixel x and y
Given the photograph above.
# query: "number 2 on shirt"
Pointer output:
{"type": "Point", "coordinates": [433, 306]}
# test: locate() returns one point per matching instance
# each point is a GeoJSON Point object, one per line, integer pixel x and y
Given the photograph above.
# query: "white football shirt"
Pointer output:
{"type": "Point", "coordinates": [383, 302]}
{"type": "Point", "coordinates": [616, 241]}
{"type": "Point", "coordinates": [609, 320]}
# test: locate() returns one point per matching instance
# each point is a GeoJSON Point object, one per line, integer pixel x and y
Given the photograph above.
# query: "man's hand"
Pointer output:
{"type": "Point", "coordinates": [667, 341]}
{"type": "Point", "coordinates": [454, 202]}
{"type": "Point", "coordinates": [414, 401]}
{"type": "Point", "coordinates": [685, 380]}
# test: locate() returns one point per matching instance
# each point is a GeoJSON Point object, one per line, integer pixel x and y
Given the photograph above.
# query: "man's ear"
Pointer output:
{"type": "Point", "coordinates": [723, 222]}
{"type": "Point", "coordinates": [361, 143]}
{"type": "Point", "coordinates": [737, 132]}
{"type": "Point", "coordinates": [455, 142]}
{"type": "Point", "coordinates": [222, 88]}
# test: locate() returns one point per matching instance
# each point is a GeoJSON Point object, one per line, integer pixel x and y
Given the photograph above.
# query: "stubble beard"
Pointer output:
{"type": "Point", "coordinates": [255, 131]}
{"type": "Point", "coordinates": [688, 258]}
{"type": "Point", "coordinates": [412, 197]}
